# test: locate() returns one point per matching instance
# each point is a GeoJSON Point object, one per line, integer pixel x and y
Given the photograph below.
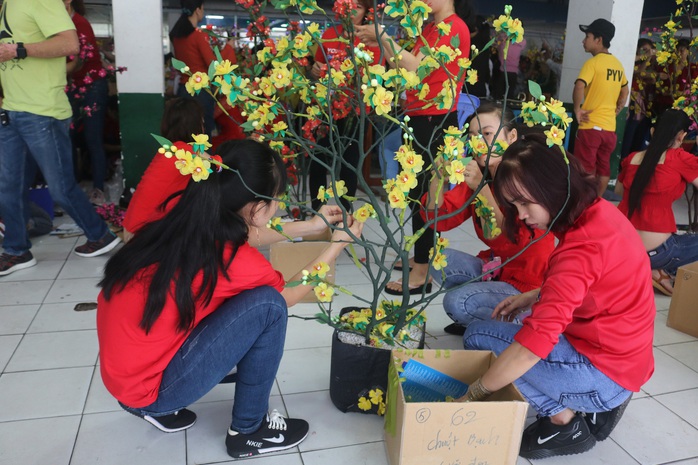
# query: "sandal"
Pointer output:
{"type": "Point", "coordinates": [663, 283]}
{"type": "Point", "coordinates": [413, 290]}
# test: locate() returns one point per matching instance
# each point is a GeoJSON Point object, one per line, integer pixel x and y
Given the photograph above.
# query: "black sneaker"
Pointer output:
{"type": "Point", "coordinates": [100, 247]}
{"type": "Point", "coordinates": [276, 433]}
{"type": "Point", "coordinates": [543, 439]}
{"type": "Point", "coordinates": [602, 423]}
{"type": "Point", "coordinates": [455, 328]}
{"type": "Point", "coordinates": [178, 421]}
{"type": "Point", "coordinates": [11, 263]}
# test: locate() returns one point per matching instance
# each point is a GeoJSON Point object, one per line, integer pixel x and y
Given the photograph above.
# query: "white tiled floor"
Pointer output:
{"type": "Point", "coordinates": [55, 410]}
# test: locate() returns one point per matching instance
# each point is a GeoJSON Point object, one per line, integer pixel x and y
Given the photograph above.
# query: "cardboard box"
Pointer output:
{"type": "Point", "coordinates": [290, 257]}
{"type": "Point", "coordinates": [683, 311]}
{"type": "Point", "coordinates": [450, 433]}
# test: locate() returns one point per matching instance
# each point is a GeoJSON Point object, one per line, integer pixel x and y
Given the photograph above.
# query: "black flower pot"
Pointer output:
{"type": "Point", "coordinates": [356, 370]}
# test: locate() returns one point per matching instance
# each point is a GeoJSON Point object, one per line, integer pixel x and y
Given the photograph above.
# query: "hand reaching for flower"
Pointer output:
{"type": "Point", "coordinates": [340, 235]}
{"type": "Point", "coordinates": [473, 175]}
{"type": "Point", "coordinates": [331, 214]}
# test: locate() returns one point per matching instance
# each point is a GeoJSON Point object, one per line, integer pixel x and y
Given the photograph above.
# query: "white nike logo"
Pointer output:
{"type": "Point", "coordinates": [544, 440]}
{"type": "Point", "coordinates": [593, 419]}
{"type": "Point", "coordinates": [277, 440]}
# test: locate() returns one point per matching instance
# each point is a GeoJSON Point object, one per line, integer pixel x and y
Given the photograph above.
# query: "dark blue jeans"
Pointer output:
{"type": "Point", "coordinates": [247, 331]}
{"type": "Point", "coordinates": [92, 127]}
{"type": "Point", "coordinates": [46, 141]}
{"type": "Point", "coordinates": [678, 250]}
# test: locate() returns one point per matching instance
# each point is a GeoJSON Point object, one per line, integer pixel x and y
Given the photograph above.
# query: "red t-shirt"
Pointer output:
{"type": "Point", "coordinates": [92, 65]}
{"type": "Point", "coordinates": [598, 293]}
{"type": "Point", "coordinates": [526, 271]}
{"type": "Point", "coordinates": [132, 362]}
{"type": "Point", "coordinates": [332, 47]}
{"type": "Point", "coordinates": [159, 181]}
{"type": "Point", "coordinates": [196, 52]}
{"type": "Point", "coordinates": [435, 79]}
{"type": "Point", "coordinates": [655, 213]}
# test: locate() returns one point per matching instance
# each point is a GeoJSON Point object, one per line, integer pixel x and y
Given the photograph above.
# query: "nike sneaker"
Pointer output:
{"type": "Point", "coordinates": [276, 433]}
{"type": "Point", "coordinates": [602, 423]}
{"type": "Point", "coordinates": [544, 439]}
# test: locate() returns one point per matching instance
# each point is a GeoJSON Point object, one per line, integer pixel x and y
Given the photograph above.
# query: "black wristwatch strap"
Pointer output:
{"type": "Point", "coordinates": [21, 51]}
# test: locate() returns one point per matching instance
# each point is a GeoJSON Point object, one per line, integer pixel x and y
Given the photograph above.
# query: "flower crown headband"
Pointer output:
{"type": "Point", "coordinates": [191, 158]}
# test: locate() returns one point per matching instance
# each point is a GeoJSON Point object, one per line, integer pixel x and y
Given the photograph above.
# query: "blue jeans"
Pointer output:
{"type": "Point", "coordinates": [564, 379]}
{"type": "Point", "coordinates": [96, 97]}
{"type": "Point", "coordinates": [474, 301]}
{"type": "Point", "coordinates": [247, 331]}
{"type": "Point", "coordinates": [46, 140]}
{"type": "Point", "coordinates": [678, 250]}
{"type": "Point", "coordinates": [391, 144]}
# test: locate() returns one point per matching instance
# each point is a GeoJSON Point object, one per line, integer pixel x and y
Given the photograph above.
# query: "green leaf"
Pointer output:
{"type": "Point", "coordinates": [178, 65]}
{"type": "Point", "coordinates": [211, 70]}
{"type": "Point", "coordinates": [455, 42]}
{"type": "Point", "coordinates": [322, 318]}
{"type": "Point", "coordinates": [161, 140]}
{"type": "Point", "coordinates": [488, 44]}
{"type": "Point", "coordinates": [535, 90]}
{"type": "Point", "coordinates": [539, 117]}
{"type": "Point", "coordinates": [218, 54]}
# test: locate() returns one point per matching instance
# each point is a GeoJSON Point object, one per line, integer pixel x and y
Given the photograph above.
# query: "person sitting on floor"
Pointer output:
{"type": "Point", "coordinates": [652, 180]}
{"type": "Point", "coordinates": [587, 344]}
{"type": "Point", "coordinates": [476, 300]}
{"type": "Point", "coordinates": [188, 298]}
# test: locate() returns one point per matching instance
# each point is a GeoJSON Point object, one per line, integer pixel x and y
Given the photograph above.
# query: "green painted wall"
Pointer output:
{"type": "Point", "coordinates": [139, 116]}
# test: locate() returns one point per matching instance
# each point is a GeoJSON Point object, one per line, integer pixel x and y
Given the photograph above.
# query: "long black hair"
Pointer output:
{"type": "Point", "coordinates": [668, 127]}
{"type": "Point", "coordinates": [183, 26]}
{"type": "Point", "coordinates": [193, 236]}
{"type": "Point", "coordinates": [529, 164]}
{"type": "Point", "coordinates": [183, 116]}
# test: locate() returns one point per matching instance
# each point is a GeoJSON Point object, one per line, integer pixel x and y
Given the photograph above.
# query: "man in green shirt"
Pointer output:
{"type": "Point", "coordinates": [35, 38]}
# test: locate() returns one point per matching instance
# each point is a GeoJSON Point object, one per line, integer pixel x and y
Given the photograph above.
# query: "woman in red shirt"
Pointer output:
{"type": "Point", "coordinates": [188, 299]}
{"type": "Point", "coordinates": [652, 180]}
{"type": "Point", "coordinates": [192, 46]}
{"type": "Point", "coordinates": [476, 299]}
{"type": "Point", "coordinates": [587, 344]}
{"type": "Point", "coordinates": [426, 120]}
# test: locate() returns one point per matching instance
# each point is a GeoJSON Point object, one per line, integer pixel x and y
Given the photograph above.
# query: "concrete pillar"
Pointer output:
{"type": "Point", "coordinates": [138, 44]}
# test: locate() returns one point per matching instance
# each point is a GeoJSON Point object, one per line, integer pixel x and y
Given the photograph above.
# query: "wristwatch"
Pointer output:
{"type": "Point", "coordinates": [21, 51]}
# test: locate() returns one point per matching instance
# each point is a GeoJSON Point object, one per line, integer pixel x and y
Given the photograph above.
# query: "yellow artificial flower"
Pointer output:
{"type": "Point", "coordinates": [321, 194]}
{"type": "Point", "coordinates": [397, 198]}
{"type": "Point", "coordinates": [275, 224]}
{"type": "Point", "coordinates": [439, 262]}
{"type": "Point", "coordinates": [280, 128]}
{"type": "Point", "coordinates": [452, 131]}
{"type": "Point", "coordinates": [201, 140]}
{"type": "Point", "coordinates": [201, 169]}
{"type": "Point", "coordinates": [453, 145]}
{"type": "Point", "coordinates": [381, 409]}
{"type": "Point", "coordinates": [341, 190]}
{"type": "Point", "coordinates": [324, 292]}
{"type": "Point", "coordinates": [410, 77]}
{"type": "Point", "coordinates": [196, 82]}
{"type": "Point", "coordinates": [382, 100]}
{"type": "Point", "coordinates": [464, 63]}
{"type": "Point", "coordinates": [184, 162]}
{"type": "Point", "coordinates": [412, 162]}
{"type": "Point", "coordinates": [347, 65]}
{"type": "Point", "coordinates": [320, 269]}
{"type": "Point", "coordinates": [444, 28]}
{"type": "Point", "coordinates": [456, 172]}
{"type": "Point", "coordinates": [478, 145]}
{"type": "Point", "coordinates": [338, 77]}
{"type": "Point", "coordinates": [364, 404]}
{"type": "Point", "coordinates": [224, 67]}
{"type": "Point", "coordinates": [555, 136]}
{"type": "Point", "coordinates": [472, 77]}
{"type": "Point", "coordinates": [365, 212]}
{"type": "Point", "coordinates": [266, 86]}
{"type": "Point", "coordinates": [376, 396]}
{"type": "Point", "coordinates": [226, 88]}
{"type": "Point", "coordinates": [423, 92]}
{"type": "Point", "coordinates": [406, 181]}
{"type": "Point", "coordinates": [281, 76]}
{"type": "Point", "coordinates": [442, 242]}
